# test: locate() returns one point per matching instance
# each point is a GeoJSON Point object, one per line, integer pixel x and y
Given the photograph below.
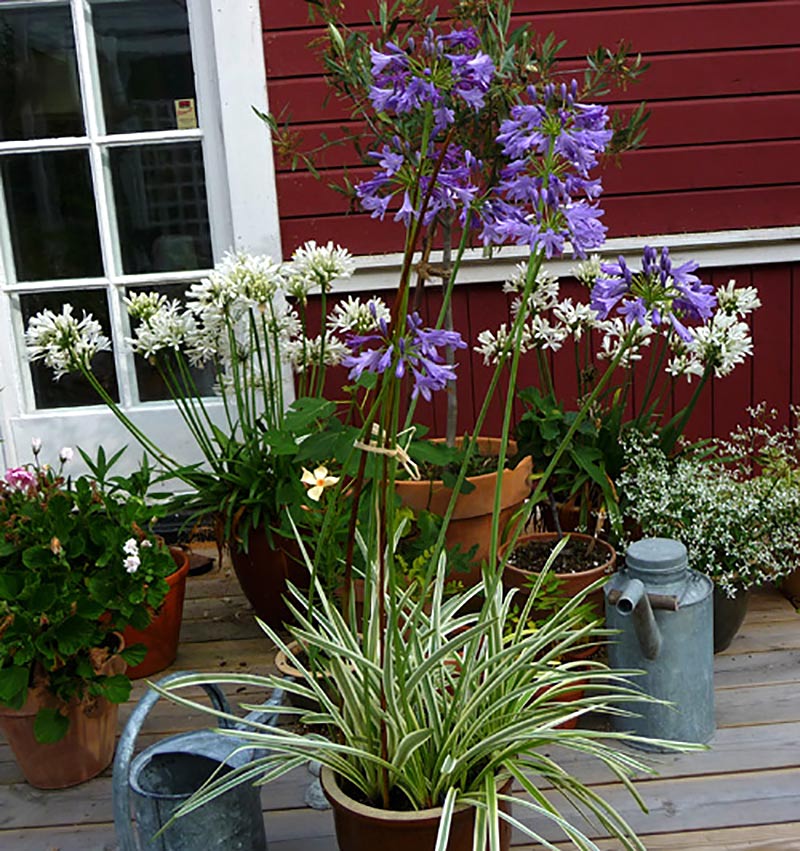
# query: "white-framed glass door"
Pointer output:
{"type": "Point", "coordinates": [113, 177]}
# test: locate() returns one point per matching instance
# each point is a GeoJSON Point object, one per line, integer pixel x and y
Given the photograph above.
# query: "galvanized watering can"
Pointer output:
{"type": "Point", "coordinates": [664, 614]}
{"type": "Point", "coordinates": [152, 785]}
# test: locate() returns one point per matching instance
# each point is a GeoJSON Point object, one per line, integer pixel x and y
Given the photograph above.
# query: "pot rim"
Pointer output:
{"type": "Point", "coordinates": [337, 797]}
{"type": "Point", "coordinates": [534, 536]}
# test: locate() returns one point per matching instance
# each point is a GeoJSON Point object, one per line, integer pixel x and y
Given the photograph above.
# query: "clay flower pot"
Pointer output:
{"type": "Point", "coordinates": [162, 634]}
{"type": "Point", "coordinates": [263, 572]}
{"type": "Point", "coordinates": [360, 827]}
{"type": "Point", "coordinates": [84, 752]}
{"type": "Point", "coordinates": [471, 522]}
{"type": "Point", "coordinates": [729, 615]}
{"type": "Point", "coordinates": [570, 584]}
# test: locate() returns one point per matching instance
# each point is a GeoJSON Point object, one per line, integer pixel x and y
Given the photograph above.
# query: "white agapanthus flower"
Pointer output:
{"type": "Point", "coordinates": [723, 343]}
{"type": "Point", "coordinates": [353, 316]}
{"type": "Point", "coordinates": [545, 334]}
{"type": "Point", "coordinates": [169, 326]}
{"type": "Point", "coordinates": [238, 283]}
{"type": "Point", "coordinates": [587, 271]}
{"type": "Point", "coordinates": [491, 344]}
{"type": "Point", "coordinates": [740, 301]}
{"type": "Point", "coordinates": [143, 305]}
{"type": "Point", "coordinates": [63, 341]}
{"type": "Point", "coordinates": [303, 354]}
{"type": "Point", "coordinates": [315, 267]}
{"type": "Point", "coordinates": [615, 331]}
{"type": "Point", "coordinates": [545, 289]}
{"type": "Point", "coordinates": [577, 318]}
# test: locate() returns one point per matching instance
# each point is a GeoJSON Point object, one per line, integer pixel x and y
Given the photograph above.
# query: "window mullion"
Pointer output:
{"type": "Point", "coordinates": [103, 189]}
{"type": "Point", "coordinates": [8, 274]}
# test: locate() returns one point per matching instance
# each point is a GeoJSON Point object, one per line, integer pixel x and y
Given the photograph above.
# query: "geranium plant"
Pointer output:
{"type": "Point", "coordinates": [78, 561]}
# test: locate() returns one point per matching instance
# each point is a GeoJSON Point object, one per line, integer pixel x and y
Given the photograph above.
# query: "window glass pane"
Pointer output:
{"type": "Point", "coordinates": [152, 387]}
{"type": "Point", "coordinates": [52, 215]}
{"type": "Point", "coordinates": [162, 213]}
{"type": "Point", "coordinates": [39, 91]}
{"type": "Point", "coordinates": [72, 389]}
{"type": "Point", "coordinates": [145, 60]}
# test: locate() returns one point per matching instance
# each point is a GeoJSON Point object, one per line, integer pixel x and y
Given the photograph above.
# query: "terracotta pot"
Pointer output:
{"type": "Point", "coordinates": [569, 583]}
{"type": "Point", "coordinates": [84, 752]}
{"type": "Point", "coordinates": [363, 828]}
{"type": "Point", "coordinates": [162, 634]}
{"type": "Point", "coordinates": [729, 615]}
{"type": "Point", "coordinates": [471, 522]}
{"type": "Point", "coordinates": [263, 572]}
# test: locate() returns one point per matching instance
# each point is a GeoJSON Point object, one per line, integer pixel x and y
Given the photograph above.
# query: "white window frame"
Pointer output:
{"type": "Point", "coordinates": [230, 79]}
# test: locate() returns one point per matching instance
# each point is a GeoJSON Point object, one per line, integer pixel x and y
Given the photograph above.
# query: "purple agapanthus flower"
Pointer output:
{"type": "Point", "coordinates": [659, 293]}
{"type": "Point", "coordinates": [545, 195]}
{"type": "Point", "coordinates": [416, 352]}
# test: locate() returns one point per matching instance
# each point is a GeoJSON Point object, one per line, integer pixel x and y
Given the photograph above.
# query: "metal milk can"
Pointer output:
{"type": "Point", "coordinates": [152, 785]}
{"type": "Point", "coordinates": [664, 614]}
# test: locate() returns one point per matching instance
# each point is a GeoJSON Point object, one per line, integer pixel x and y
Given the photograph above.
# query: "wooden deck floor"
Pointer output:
{"type": "Point", "coordinates": [742, 794]}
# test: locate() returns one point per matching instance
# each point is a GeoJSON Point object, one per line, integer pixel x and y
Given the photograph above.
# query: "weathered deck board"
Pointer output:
{"type": "Point", "coordinates": [742, 795]}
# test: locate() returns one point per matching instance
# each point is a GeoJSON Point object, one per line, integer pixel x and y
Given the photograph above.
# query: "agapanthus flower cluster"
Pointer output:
{"type": "Point", "coordinates": [414, 352]}
{"type": "Point", "coordinates": [315, 267]}
{"type": "Point", "coordinates": [658, 293]}
{"type": "Point", "coordinates": [446, 70]}
{"type": "Point", "coordinates": [724, 341]}
{"type": "Point", "coordinates": [545, 195]}
{"type": "Point", "coordinates": [739, 532]}
{"type": "Point", "coordinates": [64, 342]}
{"type": "Point", "coordinates": [163, 324]}
{"type": "Point", "coordinates": [354, 316]}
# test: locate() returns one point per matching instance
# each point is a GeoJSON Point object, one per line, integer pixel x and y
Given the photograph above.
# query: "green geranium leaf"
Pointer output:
{"type": "Point", "coordinates": [89, 609]}
{"type": "Point", "coordinates": [42, 598]}
{"type": "Point", "coordinates": [436, 454]}
{"type": "Point", "coordinates": [10, 586]}
{"type": "Point", "coordinates": [73, 635]}
{"type": "Point", "coordinates": [117, 689]}
{"type": "Point", "coordinates": [7, 548]}
{"type": "Point", "coordinates": [13, 686]}
{"type": "Point", "coordinates": [37, 557]}
{"type": "Point", "coordinates": [134, 655]}
{"type": "Point", "coordinates": [280, 442]}
{"type": "Point", "coordinates": [50, 726]}
{"type": "Point", "coordinates": [305, 411]}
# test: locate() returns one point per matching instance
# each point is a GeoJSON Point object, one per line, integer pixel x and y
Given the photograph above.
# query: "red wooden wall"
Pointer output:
{"type": "Point", "coordinates": [723, 146]}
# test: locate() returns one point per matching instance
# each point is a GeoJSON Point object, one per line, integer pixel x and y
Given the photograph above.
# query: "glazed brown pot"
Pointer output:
{"type": "Point", "coordinates": [363, 828]}
{"type": "Point", "coordinates": [570, 583]}
{"type": "Point", "coordinates": [263, 572]}
{"type": "Point", "coordinates": [84, 752]}
{"type": "Point", "coordinates": [790, 586]}
{"type": "Point", "coordinates": [471, 522]}
{"type": "Point", "coordinates": [161, 636]}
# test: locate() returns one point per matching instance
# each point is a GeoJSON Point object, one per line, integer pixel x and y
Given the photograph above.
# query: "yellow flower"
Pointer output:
{"type": "Point", "coordinates": [319, 480]}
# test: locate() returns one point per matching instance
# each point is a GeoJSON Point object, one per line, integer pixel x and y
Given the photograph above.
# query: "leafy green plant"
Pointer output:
{"type": "Point", "coordinates": [78, 562]}
{"type": "Point", "coordinates": [431, 712]}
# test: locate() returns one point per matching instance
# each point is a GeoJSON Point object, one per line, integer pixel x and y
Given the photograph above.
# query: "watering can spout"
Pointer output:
{"type": "Point", "coordinates": [633, 602]}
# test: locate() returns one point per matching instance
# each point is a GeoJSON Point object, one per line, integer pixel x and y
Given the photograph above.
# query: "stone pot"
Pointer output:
{"type": "Point", "coordinates": [360, 827]}
{"type": "Point", "coordinates": [162, 633]}
{"type": "Point", "coordinates": [264, 571]}
{"type": "Point", "coordinates": [471, 522]}
{"type": "Point", "coordinates": [729, 614]}
{"type": "Point", "coordinates": [84, 752]}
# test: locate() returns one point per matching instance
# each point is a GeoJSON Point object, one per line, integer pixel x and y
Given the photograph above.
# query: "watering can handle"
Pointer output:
{"type": "Point", "coordinates": [122, 761]}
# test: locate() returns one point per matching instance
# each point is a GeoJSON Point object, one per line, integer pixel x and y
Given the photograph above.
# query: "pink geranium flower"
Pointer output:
{"type": "Point", "coordinates": [20, 479]}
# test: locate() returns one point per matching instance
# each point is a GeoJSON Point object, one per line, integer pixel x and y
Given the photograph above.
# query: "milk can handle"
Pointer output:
{"type": "Point", "coordinates": [120, 784]}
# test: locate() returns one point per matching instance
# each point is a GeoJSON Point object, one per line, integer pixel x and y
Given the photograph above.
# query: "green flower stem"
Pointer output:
{"type": "Point", "coordinates": [320, 384]}
{"type": "Point", "coordinates": [186, 408]}
{"type": "Point", "coordinates": [187, 376]}
{"type": "Point", "coordinates": [265, 373]}
{"type": "Point", "coordinates": [140, 436]}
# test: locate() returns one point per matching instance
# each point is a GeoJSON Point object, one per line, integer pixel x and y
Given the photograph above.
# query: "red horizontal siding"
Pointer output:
{"type": "Point", "coordinates": [722, 145]}
{"type": "Point", "coordinates": [294, 13]}
{"type": "Point", "coordinates": [655, 30]}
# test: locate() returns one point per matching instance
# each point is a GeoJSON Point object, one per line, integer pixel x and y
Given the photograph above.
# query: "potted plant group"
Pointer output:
{"type": "Point", "coordinates": [77, 565]}
{"type": "Point", "coordinates": [739, 531]}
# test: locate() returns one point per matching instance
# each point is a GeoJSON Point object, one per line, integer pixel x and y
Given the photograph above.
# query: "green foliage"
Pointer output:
{"type": "Point", "coordinates": [587, 465]}
{"type": "Point", "coordinates": [78, 561]}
